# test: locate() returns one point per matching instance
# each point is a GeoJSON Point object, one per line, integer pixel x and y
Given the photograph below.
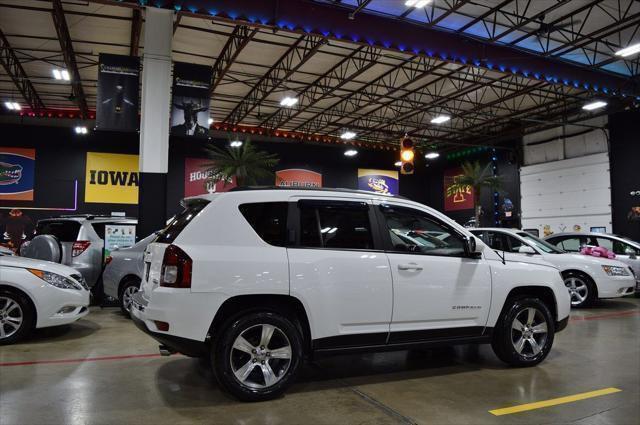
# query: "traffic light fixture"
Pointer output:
{"type": "Point", "coordinates": [406, 156]}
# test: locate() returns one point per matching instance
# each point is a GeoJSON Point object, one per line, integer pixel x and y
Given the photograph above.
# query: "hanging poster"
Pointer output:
{"type": "Point", "coordinates": [17, 174]}
{"type": "Point", "coordinates": [118, 88]}
{"type": "Point", "coordinates": [111, 178]}
{"type": "Point", "coordinates": [298, 177]}
{"type": "Point", "coordinates": [196, 178]}
{"type": "Point", "coordinates": [118, 236]}
{"type": "Point", "coordinates": [379, 181]}
{"type": "Point", "coordinates": [460, 199]}
{"type": "Point", "coordinates": [190, 105]}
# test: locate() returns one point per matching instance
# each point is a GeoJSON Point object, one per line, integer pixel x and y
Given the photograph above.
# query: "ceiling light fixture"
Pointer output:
{"type": "Point", "coordinates": [351, 152]}
{"type": "Point", "coordinates": [65, 75]}
{"type": "Point", "coordinates": [347, 135]}
{"type": "Point", "coordinates": [398, 164]}
{"type": "Point", "coordinates": [9, 105]}
{"type": "Point", "coordinates": [56, 74]}
{"type": "Point", "coordinates": [432, 155]}
{"type": "Point", "coordinates": [440, 119]}
{"type": "Point", "coordinates": [417, 3]}
{"type": "Point", "coordinates": [235, 143]}
{"type": "Point", "coordinates": [81, 130]}
{"type": "Point", "coordinates": [628, 51]}
{"type": "Point", "coordinates": [289, 101]}
{"type": "Point", "coordinates": [210, 121]}
{"type": "Point", "coordinates": [17, 106]}
{"type": "Point", "coordinates": [594, 105]}
{"type": "Point", "coordinates": [61, 74]}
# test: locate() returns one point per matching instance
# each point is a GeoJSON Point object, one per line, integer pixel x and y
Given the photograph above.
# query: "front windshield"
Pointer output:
{"type": "Point", "coordinates": [540, 244]}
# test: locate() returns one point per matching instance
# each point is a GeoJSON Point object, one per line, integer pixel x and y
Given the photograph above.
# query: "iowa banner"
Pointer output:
{"type": "Point", "coordinates": [461, 199]}
{"type": "Point", "coordinates": [111, 178]}
{"type": "Point", "coordinates": [118, 84]}
{"type": "Point", "coordinates": [379, 181]}
{"type": "Point", "coordinates": [190, 105]}
{"type": "Point", "coordinates": [17, 179]}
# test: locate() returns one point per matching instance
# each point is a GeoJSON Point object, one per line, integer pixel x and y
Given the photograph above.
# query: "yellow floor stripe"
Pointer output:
{"type": "Point", "coordinates": [553, 402]}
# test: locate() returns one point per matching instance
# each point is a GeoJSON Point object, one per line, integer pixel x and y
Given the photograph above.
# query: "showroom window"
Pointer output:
{"type": "Point", "coordinates": [417, 232]}
{"type": "Point", "coordinates": [335, 226]}
{"type": "Point", "coordinates": [269, 220]}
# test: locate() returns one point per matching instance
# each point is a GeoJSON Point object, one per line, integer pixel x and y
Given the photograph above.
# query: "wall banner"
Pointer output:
{"type": "Point", "coordinates": [17, 174]}
{"type": "Point", "coordinates": [118, 236]}
{"type": "Point", "coordinates": [461, 199]}
{"type": "Point", "coordinates": [118, 87]}
{"type": "Point", "coordinates": [379, 181]}
{"type": "Point", "coordinates": [298, 177]}
{"type": "Point", "coordinates": [111, 178]}
{"type": "Point", "coordinates": [190, 105]}
{"type": "Point", "coordinates": [196, 175]}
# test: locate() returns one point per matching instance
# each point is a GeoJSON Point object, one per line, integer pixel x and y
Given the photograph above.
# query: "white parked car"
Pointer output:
{"type": "Point", "coordinates": [38, 294]}
{"type": "Point", "coordinates": [257, 280]}
{"type": "Point", "coordinates": [588, 278]}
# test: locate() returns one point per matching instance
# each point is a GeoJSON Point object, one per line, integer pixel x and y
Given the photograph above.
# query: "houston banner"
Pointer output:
{"type": "Point", "coordinates": [190, 104]}
{"type": "Point", "coordinates": [17, 174]}
{"type": "Point", "coordinates": [298, 177]}
{"type": "Point", "coordinates": [111, 178]}
{"type": "Point", "coordinates": [379, 181]}
{"type": "Point", "coordinates": [196, 178]}
{"type": "Point", "coordinates": [118, 87]}
{"type": "Point", "coordinates": [460, 199]}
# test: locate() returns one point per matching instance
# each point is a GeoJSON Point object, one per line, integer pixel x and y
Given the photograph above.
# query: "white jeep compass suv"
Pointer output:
{"type": "Point", "coordinates": [258, 279]}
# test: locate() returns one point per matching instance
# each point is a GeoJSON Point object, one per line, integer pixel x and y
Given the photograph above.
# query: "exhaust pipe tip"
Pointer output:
{"type": "Point", "coordinates": [166, 351]}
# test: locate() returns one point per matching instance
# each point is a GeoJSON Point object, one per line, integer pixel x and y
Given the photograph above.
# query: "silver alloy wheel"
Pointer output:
{"type": "Point", "coordinates": [578, 290]}
{"type": "Point", "coordinates": [529, 332]}
{"type": "Point", "coordinates": [11, 317]}
{"type": "Point", "coordinates": [264, 347]}
{"type": "Point", "coordinates": [127, 296]}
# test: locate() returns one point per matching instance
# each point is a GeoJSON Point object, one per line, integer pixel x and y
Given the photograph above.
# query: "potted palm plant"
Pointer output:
{"type": "Point", "coordinates": [477, 177]}
{"type": "Point", "coordinates": [245, 163]}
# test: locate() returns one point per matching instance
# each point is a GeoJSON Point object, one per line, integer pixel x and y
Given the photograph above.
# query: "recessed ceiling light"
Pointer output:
{"type": "Point", "coordinates": [289, 101]}
{"type": "Point", "coordinates": [65, 75]}
{"type": "Point", "coordinates": [398, 164]}
{"type": "Point", "coordinates": [235, 143]}
{"type": "Point", "coordinates": [628, 51]}
{"type": "Point", "coordinates": [417, 3]}
{"type": "Point", "coordinates": [440, 119]}
{"type": "Point", "coordinates": [594, 105]}
{"type": "Point", "coordinates": [56, 74]}
{"type": "Point", "coordinates": [432, 155]}
{"type": "Point", "coordinates": [351, 152]}
{"type": "Point", "coordinates": [347, 135]}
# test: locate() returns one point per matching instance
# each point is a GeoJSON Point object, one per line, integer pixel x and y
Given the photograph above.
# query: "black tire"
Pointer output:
{"type": "Point", "coordinates": [125, 287]}
{"type": "Point", "coordinates": [506, 337]}
{"type": "Point", "coordinates": [580, 280]}
{"type": "Point", "coordinates": [9, 298]}
{"type": "Point", "coordinates": [225, 359]}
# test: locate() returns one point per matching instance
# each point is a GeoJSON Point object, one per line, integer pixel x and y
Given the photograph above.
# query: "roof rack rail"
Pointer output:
{"type": "Point", "coordinates": [313, 189]}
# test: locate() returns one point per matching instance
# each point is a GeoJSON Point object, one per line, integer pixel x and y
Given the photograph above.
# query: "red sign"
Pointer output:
{"type": "Point", "coordinates": [461, 199]}
{"type": "Point", "coordinates": [298, 177]}
{"type": "Point", "coordinates": [196, 178]}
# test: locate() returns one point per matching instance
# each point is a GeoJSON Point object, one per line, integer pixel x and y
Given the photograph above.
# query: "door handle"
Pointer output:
{"type": "Point", "coordinates": [409, 266]}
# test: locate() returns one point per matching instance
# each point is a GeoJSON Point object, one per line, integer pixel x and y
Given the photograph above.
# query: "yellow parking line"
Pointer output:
{"type": "Point", "coordinates": [553, 402]}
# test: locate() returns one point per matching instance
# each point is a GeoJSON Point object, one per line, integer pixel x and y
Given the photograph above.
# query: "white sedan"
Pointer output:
{"type": "Point", "coordinates": [587, 278]}
{"type": "Point", "coordinates": [38, 294]}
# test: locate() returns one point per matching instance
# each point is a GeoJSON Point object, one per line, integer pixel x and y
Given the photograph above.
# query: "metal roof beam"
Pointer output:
{"type": "Point", "coordinates": [237, 41]}
{"type": "Point", "coordinates": [136, 29]}
{"type": "Point", "coordinates": [14, 69]}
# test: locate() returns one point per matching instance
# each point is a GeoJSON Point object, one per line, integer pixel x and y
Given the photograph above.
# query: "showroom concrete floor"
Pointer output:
{"type": "Point", "coordinates": [103, 370]}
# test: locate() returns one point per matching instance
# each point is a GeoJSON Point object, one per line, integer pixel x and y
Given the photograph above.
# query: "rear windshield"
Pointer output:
{"type": "Point", "coordinates": [181, 220]}
{"type": "Point", "coordinates": [65, 231]}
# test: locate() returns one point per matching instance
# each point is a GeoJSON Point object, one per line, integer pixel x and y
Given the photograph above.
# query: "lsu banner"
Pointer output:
{"type": "Point", "coordinates": [111, 178]}
{"type": "Point", "coordinates": [17, 174]}
{"type": "Point", "coordinates": [197, 178]}
{"type": "Point", "coordinates": [379, 181]}
{"type": "Point", "coordinates": [118, 87]}
{"type": "Point", "coordinates": [190, 105]}
{"type": "Point", "coordinates": [298, 177]}
{"type": "Point", "coordinates": [460, 199]}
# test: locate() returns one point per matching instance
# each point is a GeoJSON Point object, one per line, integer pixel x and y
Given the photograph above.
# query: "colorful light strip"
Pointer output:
{"type": "Point", "coordinates": [75, 203]}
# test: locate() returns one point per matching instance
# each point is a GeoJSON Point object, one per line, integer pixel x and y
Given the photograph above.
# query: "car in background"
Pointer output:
{"type": "Point", "coordinates": [6, 251]}
{"type": "Point", "coordinates": [626, 250]}
{"type": "Point", "coordinates": [587, 278]}
{"type": "Point", "coordinates": [38, 294]}
{"type": "Point", "coordinates": [123, 272]}
{"type": "Point", "coordinates": [82, 241]}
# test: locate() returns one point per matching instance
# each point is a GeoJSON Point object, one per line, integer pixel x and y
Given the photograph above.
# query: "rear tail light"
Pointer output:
{"type": "Point", "coordinates": [79, 247]}
{"type": "Point", "coordinates": [176, 268]}
{"type": "Point", "coordinates": [108, 260]}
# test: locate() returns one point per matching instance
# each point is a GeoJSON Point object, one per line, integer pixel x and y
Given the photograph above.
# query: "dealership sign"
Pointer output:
{"type": "Point", "coordinates": [461, 199]}
{"type": "Point", "coordinates": [111, 178]}
{"type": "Point", "coordinates": [198, 181]}
{"type": "Point", "coordinates": [298, 177]}
{"type": "Point", "coordinates": [17, 179]}
{"type": "Point", "coordinates": [378, 181]}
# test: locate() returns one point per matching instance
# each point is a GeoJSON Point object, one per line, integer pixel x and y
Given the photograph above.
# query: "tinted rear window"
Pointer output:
{"type": "Point", "coordinates": [269, 220]}
{"type": "Point", "coordinates": [181, 220]}
{"type": "Point", "coordinates": [65, 231]}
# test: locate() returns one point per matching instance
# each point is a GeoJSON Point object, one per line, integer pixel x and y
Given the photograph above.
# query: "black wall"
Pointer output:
{"type": "Point", "coordinates": [625, 171]}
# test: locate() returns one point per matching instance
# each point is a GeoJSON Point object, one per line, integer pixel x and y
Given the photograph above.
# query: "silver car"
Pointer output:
{"type": "Point", "coordinates": [626, 250]}
{"type": "Point", "coordinates": [123, 273]}
{"type": "Point", "coordinates": [82, 241]}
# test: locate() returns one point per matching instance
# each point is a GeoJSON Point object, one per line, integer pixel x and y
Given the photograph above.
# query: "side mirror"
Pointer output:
{"type": "Point", "coordinates": [630, 252]}
{"type": "Point", "coordinates": [472, 246]}
{"type": "Point", "coordinates": [526, 249]}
